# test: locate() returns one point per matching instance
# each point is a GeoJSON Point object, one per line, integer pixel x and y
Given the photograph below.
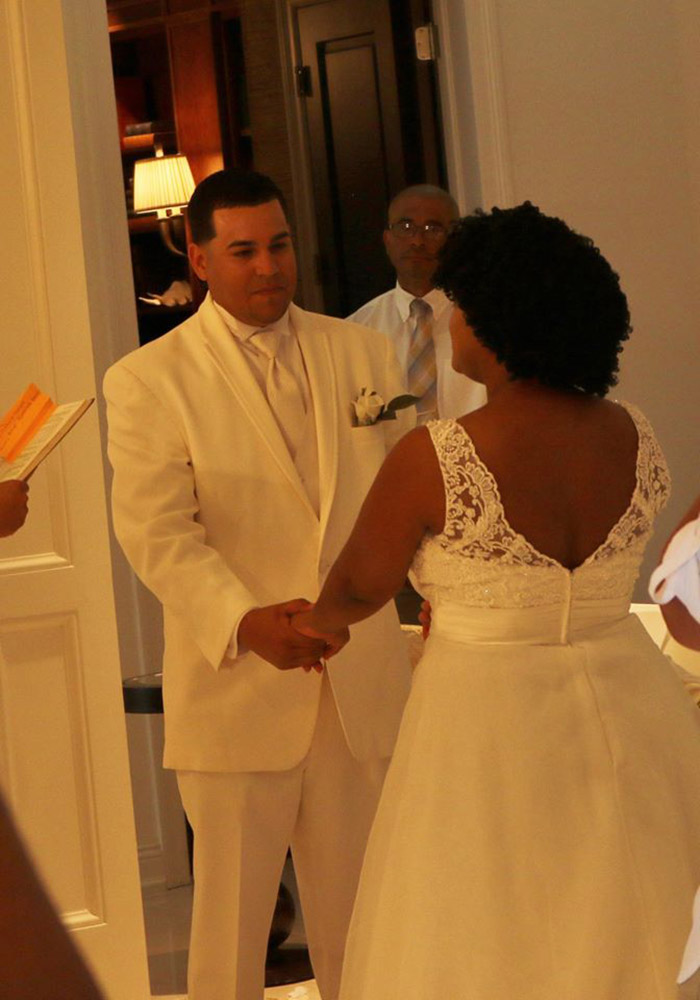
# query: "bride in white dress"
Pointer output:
{"type": "Point", "coordinates": [538, 837]}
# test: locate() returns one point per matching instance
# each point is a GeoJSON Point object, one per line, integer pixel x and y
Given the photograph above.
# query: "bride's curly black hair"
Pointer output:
{"type": "Point", "coordinates": [539, 295]}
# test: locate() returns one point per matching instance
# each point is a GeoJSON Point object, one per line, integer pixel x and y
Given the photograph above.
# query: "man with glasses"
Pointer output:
{"type": "Point", "coordinates": [414, 314]}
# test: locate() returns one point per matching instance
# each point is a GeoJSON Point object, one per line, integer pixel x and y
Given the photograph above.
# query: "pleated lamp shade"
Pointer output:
{"type": "Point", "coordinates": [162, 184]}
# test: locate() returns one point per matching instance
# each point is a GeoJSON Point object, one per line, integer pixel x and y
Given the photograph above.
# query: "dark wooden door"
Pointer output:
{"type": "Point", "coordinates": [367, 135]}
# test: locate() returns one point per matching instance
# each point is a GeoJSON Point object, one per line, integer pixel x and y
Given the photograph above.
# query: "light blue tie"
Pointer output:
{"type": "Point", "coordinates": [422, 368]}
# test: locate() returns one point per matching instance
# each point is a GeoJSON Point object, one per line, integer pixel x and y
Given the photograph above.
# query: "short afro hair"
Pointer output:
{"type": "Point", "coordinates": [539, 295]}
{"type": "Point", "coordinates": [229, 188]}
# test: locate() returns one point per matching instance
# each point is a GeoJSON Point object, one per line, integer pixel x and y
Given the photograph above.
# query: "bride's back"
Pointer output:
{"type": "Point", "coordinates": [540, 319]}
{"type": "Point", "coordinates": [564, 464]}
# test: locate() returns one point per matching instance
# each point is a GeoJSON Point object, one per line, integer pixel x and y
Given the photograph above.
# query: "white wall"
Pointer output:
{"type": "Point", "coordinates": [589, 108]}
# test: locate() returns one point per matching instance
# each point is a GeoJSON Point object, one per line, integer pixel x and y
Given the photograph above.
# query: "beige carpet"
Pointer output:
{"type": "Point", "coordinates": [300, 991]}
{"type": "Point", "coordinates": [308, 991]}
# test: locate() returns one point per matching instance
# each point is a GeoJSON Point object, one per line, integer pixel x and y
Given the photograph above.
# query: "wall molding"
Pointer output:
{"type": "Point", "coordinates": [484, 40]}
{"type": "Point", "coordinates": [32, 563]}
{"type": "Point", "coordinates": [472, 87]}
{"type": "Point", "coordinates": [152, 866]}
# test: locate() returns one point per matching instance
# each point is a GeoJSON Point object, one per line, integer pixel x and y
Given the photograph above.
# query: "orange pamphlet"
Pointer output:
{"type": "Point", "coordinates": [23, 420]}
{"type": "Point", "coordinates": [32, 428]}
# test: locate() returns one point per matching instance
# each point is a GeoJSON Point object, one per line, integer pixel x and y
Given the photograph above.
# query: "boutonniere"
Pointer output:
{"type": "Point", "coordinates": [369, 407]}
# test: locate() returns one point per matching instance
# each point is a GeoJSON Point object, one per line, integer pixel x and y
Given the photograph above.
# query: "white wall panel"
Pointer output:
{"type": "Point", "coordinates": [46, 754]}
{"type": "Point", "coordinates": [62, 726]}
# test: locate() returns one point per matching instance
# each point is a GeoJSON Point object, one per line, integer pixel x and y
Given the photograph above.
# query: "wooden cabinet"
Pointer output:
{"type": "Point", "coordinates": [179, 78]}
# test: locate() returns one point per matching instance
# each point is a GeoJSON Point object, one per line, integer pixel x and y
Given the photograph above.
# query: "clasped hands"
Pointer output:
{"type": "Point", "coordinates": [283, 635]}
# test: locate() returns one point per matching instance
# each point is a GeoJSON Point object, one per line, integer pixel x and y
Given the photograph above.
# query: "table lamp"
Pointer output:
{"type": "Point", "coordinates": [163, 184]}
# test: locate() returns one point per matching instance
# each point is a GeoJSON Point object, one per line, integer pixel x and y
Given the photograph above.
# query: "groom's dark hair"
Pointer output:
{"type": "Point", "coordinates": [229, 188]}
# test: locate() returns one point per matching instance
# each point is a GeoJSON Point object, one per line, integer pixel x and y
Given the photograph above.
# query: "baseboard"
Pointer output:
{"type": "Point", "coordinates": [151, 866]}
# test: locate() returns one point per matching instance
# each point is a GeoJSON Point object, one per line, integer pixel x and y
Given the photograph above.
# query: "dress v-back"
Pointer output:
{"type": "Point", "coordinates": [481, 561]}
{"type": "Point", "coordinates": [539, 832]}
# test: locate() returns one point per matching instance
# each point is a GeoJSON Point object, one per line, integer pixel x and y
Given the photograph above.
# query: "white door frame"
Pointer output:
{"type": "Point", "coordinates": [473, 103]}
{"type": "Point", "coordinates": [67, 312]}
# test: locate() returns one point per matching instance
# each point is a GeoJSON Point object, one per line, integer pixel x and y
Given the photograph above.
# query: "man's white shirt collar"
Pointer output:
{"type": "Point", "coordinates": [435, 298]}
{"type": "Point", "coordinates": [242, 331]}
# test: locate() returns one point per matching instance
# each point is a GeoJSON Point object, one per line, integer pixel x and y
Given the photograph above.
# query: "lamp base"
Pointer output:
{"type": "Point", "coordinates": [174, 226]}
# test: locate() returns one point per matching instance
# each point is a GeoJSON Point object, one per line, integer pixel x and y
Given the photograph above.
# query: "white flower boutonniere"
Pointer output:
{"type": "Point", "coordinates": [369, 407]}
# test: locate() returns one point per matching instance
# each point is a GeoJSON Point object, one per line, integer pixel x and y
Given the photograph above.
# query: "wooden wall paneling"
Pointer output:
{"type": "Point", "coordinates": [180, 6]}
{"type": "Point", "coordinates": [266, 97]}
{"type": "Point", "coordinates": [129, 15]}
{"type": "Point", "coordinates": [232, 90]}
{"type": "Point", "coordinates": [124, 13]}
{"type": "Point", "coordinates": [193, 72]}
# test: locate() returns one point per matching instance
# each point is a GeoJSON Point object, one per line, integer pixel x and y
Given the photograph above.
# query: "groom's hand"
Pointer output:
{"type": "Point", "coordinates": [269, 632]}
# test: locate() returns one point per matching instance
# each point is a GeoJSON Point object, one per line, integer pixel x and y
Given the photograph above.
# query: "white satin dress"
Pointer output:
{"type": "Point", "coordinates": [538, 836]}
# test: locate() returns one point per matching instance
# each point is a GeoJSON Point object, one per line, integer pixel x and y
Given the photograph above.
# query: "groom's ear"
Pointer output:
{"type": "Point", "coordinates": [198, 260]}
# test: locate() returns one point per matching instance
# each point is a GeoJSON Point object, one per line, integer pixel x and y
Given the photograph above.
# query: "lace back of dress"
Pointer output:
{"type": "Point", "coordinates": [474, 515]}
{"type": "Point", "coordinates": [479, 559]}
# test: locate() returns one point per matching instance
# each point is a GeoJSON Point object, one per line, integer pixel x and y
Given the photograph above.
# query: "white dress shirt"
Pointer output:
{"type": "Point", "coordinates": [389, 313]}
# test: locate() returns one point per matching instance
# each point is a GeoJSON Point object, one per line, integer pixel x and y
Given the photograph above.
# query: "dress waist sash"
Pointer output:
{"type": "Point", "coordinates": [552, 624]}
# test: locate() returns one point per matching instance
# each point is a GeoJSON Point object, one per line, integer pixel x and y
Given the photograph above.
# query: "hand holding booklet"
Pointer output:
{"type": "Point", "coordinates": [32, 428]}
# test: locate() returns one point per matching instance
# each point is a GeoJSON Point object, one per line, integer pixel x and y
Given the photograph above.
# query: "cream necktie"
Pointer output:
{"type": "Point", "coordinates": [283, 393]}
{"type": "Point", "coordinates": [421, 365]}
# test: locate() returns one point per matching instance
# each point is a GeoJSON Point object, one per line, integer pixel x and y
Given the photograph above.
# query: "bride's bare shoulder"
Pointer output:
{"type": "Point", "coordinates": [416, 444]}
{"type": "Point", "coordinates": [488, 421]}
{"type": "Point", "coordinates": [621, 420]}
{"type": "Point", "coordinates": [553, 418]}
{"type": "Point", "coordinates": [415, 456]}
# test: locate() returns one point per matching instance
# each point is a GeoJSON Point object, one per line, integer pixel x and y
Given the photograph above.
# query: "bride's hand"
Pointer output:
{"type": "Point", "coordinates": [334, 640]}
{"type": "Point", "coordinates": [425, 618]}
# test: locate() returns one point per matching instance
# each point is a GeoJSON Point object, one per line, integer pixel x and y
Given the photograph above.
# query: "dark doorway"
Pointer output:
{"type": "Point", "coordinates": [371, 112]}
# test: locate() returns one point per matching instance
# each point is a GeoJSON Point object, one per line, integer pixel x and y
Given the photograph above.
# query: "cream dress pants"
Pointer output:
{"type": "Point", "coordinates": [243, 824]}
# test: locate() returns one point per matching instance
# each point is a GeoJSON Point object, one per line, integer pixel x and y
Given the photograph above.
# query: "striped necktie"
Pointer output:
{"type": "Point", "coordinates": [421, 366]}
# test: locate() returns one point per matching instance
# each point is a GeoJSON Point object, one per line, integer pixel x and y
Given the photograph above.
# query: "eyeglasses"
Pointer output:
{"type": "Point", "coordinates": [404, 229]}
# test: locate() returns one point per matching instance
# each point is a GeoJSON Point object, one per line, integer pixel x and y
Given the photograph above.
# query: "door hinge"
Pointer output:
{"type": "Point", "coordinates": [426, 42]}
{"type": "Point", "coordinates": [303, 78]}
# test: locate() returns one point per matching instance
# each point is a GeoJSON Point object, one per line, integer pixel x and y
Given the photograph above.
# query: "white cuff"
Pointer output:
{"type": "Point", "coordinates": [678, 574]}
{"type": "Point", "coordinates": [236, 648]}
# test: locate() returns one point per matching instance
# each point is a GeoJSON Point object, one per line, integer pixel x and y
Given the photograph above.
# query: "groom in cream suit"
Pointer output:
{"type": "Point", "coordinates": [238, 475]}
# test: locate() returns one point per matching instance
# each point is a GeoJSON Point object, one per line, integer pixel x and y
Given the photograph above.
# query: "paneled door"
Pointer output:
{"type": "Point", "coordinates": [371, 128]}
{"type": "Point", "coordinates": [63, 758]}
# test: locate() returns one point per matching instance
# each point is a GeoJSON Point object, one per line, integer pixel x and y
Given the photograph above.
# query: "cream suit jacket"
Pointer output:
{"type": "Point", "coordinates": [211, 513]}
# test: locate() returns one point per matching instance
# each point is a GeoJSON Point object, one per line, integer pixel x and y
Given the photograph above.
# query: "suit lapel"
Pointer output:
{"type": "Point", "coordinates": [315, 349]}
{"type": "Point", "coordinates": [229, 359]}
